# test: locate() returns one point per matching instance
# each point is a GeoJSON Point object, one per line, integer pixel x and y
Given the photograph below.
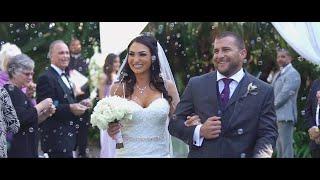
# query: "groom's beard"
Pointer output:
{"type": "Point", "coordinates": [228, 67]}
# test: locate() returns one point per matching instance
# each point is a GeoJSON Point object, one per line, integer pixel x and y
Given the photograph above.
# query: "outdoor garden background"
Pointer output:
{"type": "Point", "coordinates": [188, 46]}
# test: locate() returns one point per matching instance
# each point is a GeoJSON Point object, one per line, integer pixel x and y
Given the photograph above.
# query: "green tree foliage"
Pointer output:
{"type": "Point", "coordinates": [188, 46]}
{"type": "Point", "coordinates": [34, 38]}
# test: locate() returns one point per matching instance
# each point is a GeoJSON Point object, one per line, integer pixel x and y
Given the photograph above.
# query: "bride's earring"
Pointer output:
{"type": "Point", "coordinates": [153, 60]}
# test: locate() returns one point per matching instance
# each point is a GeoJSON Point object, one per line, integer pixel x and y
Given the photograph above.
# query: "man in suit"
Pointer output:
{"type": "Point", "coordinates": [235, 109]}
{"type": "Point", "coordinates": [312, 118]}
{"type": "Point", "coordinates": [79, 63]}
{"type": "Point", "coordinates": [286, 85]}
{"type": "Point", "coordinates": [58, 132]}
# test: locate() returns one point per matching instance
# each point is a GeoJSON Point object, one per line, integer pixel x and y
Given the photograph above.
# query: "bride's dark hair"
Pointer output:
{"type": "Point", "coordinates": [156, 79]}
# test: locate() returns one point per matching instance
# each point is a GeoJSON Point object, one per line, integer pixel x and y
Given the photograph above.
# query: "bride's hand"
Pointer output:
{"type": "Point", "coordinates": [113, 129]}
{"type": "Point", "coordinates": [192, 120]}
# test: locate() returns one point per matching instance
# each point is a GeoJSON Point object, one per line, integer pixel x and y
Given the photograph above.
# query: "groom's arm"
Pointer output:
{"type": "Point", "coordinates": [267, 128]}
{"type": "Point", "coordinates": [184, 108]}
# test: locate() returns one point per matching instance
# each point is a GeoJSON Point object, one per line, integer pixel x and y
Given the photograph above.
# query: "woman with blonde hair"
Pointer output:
{"type": "Point", "coordinates": [8, 50]}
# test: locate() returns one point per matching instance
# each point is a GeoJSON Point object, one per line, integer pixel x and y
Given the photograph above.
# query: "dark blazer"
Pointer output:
{"type": "Point", "coordinates": [25, 143]}
{"type": "Point", "coordinates": [310, 111]}
{"type": "Point", "coordinates": [248, 121]}
{"type": "Point", "coordinates": [57, 132]}
{"type": "Point", "coordinates": [80, 64]}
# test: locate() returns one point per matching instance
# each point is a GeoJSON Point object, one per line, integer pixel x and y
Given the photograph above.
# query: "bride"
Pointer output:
{"type": "Point", "coordinates": [147, 82]}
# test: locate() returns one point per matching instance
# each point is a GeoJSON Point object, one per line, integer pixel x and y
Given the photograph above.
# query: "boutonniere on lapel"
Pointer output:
{"type": "Point", "coordinates": [252, 89]}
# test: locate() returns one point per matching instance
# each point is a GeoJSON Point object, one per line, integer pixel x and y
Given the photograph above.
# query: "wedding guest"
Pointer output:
{"type": "Point", "coordinates": [8, 50]}
{"type": "Point", "coordinates": [25, 143]}
{"type": "Point", "coordinates": [77, 60]}
{"type": "Point", "coordinates": [312, 118]}
{"type": "Point", "coordinates": [58, 132]}
{"type": "Point", "coordinates": [268, 69]}
{"type": "Point", "coordinates": [271, 75]}
{"type": "Point", "coordinates": [8, 121]}
{"type": "Point", "coordinates": [110, 69]}
{"type": "Point", "coordinates": [79, 63]}
{"type": "Point", "coordinates": [286, 84]}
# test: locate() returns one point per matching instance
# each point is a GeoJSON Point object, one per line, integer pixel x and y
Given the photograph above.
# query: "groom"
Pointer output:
{"type": "Point", "coordinates": [236, 110]}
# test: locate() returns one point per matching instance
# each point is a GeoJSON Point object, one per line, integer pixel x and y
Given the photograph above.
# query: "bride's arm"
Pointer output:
{"type": "Point", "coordinates": [101, 85]}
{"type": "Point", "coordinates": [192, 119]}
{"type": "Point", "coordinates": [117, 89]}
{"type": "Point", "coordinates": [173, 92]}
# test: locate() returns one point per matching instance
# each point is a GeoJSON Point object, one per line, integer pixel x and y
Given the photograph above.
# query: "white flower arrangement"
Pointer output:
{"type": "Point", "coordinates": [96, 67]}
{"type": "Point", "coordinates": [111, 109]}
{"type": "Point", "coordinates": [96, 63]}
{"type": "Point", "coordinates": [252, 89]}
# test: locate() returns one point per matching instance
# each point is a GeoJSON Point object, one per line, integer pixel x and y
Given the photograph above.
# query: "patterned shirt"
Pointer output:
{"type": "Point", "coordinates": [8, 120]}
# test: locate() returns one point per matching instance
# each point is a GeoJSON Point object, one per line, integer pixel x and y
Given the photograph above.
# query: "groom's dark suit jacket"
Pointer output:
{"type": "Point", "coordinates": [57, 132]}
{"type": "Point", "coordinates": [248, 122]}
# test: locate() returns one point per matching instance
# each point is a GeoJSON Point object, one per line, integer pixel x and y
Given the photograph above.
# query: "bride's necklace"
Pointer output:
{"type": "Point", "coordinates": [141, 90]}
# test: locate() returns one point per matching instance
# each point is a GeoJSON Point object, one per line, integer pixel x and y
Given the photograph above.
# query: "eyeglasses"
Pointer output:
{"type": "Point", "coordinates": [28, 73]}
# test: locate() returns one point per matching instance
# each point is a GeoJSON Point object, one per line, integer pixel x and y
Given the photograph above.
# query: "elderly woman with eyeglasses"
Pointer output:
{"type": "Point", "coordinates": [7, 51]}
{"type": "Point", "coordinates": [25, 142]}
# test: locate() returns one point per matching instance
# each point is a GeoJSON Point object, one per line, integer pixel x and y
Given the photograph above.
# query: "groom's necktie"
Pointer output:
{"type": "Point", "coordinates": [225, 92]}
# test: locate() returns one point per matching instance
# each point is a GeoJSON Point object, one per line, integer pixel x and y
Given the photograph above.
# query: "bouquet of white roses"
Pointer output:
{"type": "Point", "coordinates": [111, 109]}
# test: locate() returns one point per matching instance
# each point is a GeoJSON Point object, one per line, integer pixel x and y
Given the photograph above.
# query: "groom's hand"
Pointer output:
{"type": "Point", "coordinates": [211, 128]}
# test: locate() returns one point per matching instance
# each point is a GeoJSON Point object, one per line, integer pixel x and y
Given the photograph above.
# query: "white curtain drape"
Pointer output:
{"type": "Point", "coordinates": [115, 36]}
{"type": "Point", "coordinates": [303, 37]}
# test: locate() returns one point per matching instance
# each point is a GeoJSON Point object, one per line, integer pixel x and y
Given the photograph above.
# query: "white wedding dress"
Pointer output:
{"type": "Point", "coordinates": [146, 135]}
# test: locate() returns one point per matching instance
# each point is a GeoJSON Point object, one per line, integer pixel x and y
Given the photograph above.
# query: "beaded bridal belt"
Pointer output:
{"type": "Point", "coordinates": [154, 138]}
